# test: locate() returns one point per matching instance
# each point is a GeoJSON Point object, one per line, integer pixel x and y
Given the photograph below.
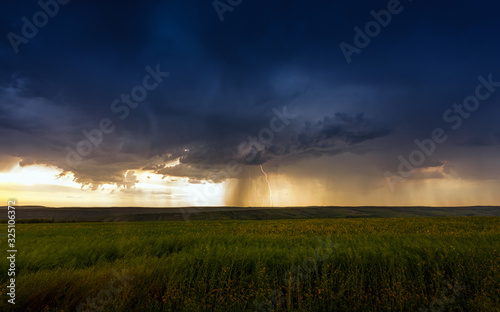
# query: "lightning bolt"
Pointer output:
{"type": "Point", "coordinates": [268, 186]}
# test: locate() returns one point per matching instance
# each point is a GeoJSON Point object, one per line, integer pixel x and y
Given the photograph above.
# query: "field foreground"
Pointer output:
{"type": "Point", "coordinates": [372, 264]}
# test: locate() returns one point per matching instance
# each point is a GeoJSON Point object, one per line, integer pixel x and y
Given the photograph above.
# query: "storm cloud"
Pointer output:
{"type": "Point", "coordinates": [225, 79]}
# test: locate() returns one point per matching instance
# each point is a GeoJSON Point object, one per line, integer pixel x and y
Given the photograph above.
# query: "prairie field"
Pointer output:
{"type": "Point", "coordinates": [357, 264]}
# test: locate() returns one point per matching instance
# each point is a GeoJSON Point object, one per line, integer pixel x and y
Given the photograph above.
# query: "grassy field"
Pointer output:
{"type": "Point", "coordinates": [361, 264]}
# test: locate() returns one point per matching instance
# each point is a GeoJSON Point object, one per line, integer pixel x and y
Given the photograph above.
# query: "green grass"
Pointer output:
{"type": "Point", "coordinates": [375, 264]}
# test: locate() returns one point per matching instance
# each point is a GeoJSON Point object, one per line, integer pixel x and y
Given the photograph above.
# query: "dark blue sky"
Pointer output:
{"type": "Point", "coordinates": [225, 78]}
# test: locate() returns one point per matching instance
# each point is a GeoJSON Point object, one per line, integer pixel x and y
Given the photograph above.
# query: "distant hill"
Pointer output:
{"type": "Point", "coordinates": [114, 214]}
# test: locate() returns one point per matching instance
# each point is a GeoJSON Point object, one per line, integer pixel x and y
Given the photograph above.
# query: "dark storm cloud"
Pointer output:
{"type": "Point", "coordinates": [330, 135]}
{"type": "Point", "coordinates": [225, 79]}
